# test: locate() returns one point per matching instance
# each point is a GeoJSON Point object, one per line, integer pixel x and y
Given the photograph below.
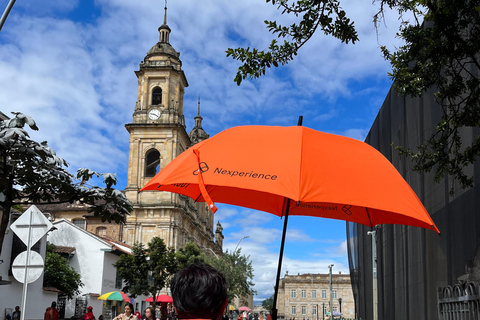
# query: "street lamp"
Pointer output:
{"type": "Point", "coordinates": [5, 15]}
{"type": "Point", "coordinates": [374, 273]}
{"type": "Point", "coordinates": [330, 308]}
{"type": "Point", "coordinates": [208, 249]}
{"type": "Point", "coordinates": [311, 275]}
{"type": "Point", "coordinates": [340, 304]}
{"type": "Point", "coordinates": [239, 243]}
{"type": "Point", "coordinates": [323, 310]}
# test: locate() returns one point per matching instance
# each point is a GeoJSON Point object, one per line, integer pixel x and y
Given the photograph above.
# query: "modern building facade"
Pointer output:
{"type": "Point", "coordinates": [416, 266]}
{"type": "Point", "coordinates": [307, 296]}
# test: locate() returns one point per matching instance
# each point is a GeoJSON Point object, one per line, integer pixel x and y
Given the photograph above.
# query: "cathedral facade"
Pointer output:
{"type": "Point", "coordinates": [157, 135]}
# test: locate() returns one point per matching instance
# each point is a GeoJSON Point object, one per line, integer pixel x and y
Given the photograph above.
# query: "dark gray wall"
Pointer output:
{"type": "Point", "coordinates": [413, 262]}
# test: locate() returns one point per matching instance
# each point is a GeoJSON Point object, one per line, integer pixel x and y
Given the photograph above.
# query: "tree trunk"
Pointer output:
{"type": "Point", "coordinates": [7, 207]}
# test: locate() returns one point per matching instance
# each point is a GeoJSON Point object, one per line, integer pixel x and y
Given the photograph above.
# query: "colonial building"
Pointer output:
{"type": "Point", "coordinates": [307, 296]}
{"type": "Point", "coordinates": [157, 135]}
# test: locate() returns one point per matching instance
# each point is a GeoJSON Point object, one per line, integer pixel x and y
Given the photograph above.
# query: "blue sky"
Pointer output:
{"type": "Point", "coordinates": [70, 65]}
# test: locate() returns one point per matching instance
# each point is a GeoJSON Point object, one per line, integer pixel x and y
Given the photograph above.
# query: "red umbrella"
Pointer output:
{"type": "Point", "coordinates": [161, 298]}
{"type": "Point", "coordinates": [296, 171]}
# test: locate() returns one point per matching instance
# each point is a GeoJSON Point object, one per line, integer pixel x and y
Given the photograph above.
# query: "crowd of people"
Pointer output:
{"type": "Point", "coordinates": [199, 292]}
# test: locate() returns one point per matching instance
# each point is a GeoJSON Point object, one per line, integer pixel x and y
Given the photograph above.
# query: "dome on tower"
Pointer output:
{"type": "Point", "coordinates": [163, 46]}
{"type": "Point", "coordinates": [197, 134]}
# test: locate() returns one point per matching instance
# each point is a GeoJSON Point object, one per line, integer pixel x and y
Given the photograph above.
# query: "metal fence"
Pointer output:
{"type": "Point", "coordinates": [460, 302]}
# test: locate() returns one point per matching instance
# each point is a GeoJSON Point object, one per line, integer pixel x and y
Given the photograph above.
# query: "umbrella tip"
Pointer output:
{"type": "Point", "coordinates": [300, 120]}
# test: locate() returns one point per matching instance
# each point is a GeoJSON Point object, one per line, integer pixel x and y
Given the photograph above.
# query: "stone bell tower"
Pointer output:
{"type": "Point", "coordinates": [158, 135]}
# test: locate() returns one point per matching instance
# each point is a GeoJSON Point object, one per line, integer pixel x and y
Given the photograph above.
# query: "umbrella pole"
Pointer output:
{"type": "Point", "coordinates": [280, 258]}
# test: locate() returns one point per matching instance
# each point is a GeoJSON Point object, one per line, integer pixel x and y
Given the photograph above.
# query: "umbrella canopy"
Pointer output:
{"type": "Point", "coordinates": [161, 298]}
{"type": "Point", "coordinates": [244, 309]}
{"type": "Point", "coordinates": [324, 175]}
{"type": "Point", "coordinates": [115, 295]}
{"type": "Point", "coordinates": [232, 308]}
{"type": "Point", "coordinates": [294, 171]}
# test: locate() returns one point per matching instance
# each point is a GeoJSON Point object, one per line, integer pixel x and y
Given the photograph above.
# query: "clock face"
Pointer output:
{"type": "Point", "coordinates": [154, 114]}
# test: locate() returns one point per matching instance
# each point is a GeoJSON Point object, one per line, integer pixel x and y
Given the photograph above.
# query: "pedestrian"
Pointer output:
{"type": "Point", "coordinates": [16, 313]}
{"type": "Point", "coordinates": [199, 292]}
{"type": "Point", "coordinates": [51, 313]}
{"type": "Point", "coordinates": [149, 314]}
{"type": "Point", "coordinates": [138, 315]}
{"type": "Point", "coordinates": [269, 315]}
{"type": "Point", "coordinates": [128, 315]}
{"type": "Point", "coordinates": [89, 315]}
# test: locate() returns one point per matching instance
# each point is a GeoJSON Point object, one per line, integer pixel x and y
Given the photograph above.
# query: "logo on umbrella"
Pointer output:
{"type": "Point", "coordinates": [203, 167]}
{"type": "Point", "coordinates": [346, 208]}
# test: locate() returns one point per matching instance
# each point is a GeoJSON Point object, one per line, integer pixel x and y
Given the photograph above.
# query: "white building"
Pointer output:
{"type": "Point", "coordinates": [93, 258]}
{"type": "Point", "coordinates": [38, 297]}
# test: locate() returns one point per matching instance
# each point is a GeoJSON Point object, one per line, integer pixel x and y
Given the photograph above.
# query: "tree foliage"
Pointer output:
{"type": "Point", "coordinates": [147, 270]}
{"type": "Point", "coordinates": [238, 272]}
{"type": "Point", "coordinates": [268, 303]}
{"type": "Point", "coordinates": [324, 15]}
{"type": "Point", "coordinates": [58, 273]}
{"type": "Point", "coordinates": [188, 255]}
{"type": "Point", "coordinates": [236, 268]}
{"type": "Point", "coordinates": [440, 53]}
{"type": "Point", "coordinates": [31, 173]}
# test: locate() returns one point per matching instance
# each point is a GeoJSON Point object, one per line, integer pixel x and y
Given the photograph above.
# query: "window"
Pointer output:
{"type": "Point", "coordinates": [294, 293]}
{"type": "Point", "coordinates": [304, 294]}
{"type": "Point", "coordinates": [294, 309]}
{"type": "Point", "coordinates": [118, 281]}
{"type": "Point", "coordinates": [314, 294]}
{"type": "Point", "coordinates": [157, 96]}
{"type": "Point", "coordinates": [304, 310]}
{"type": "Point", "coordinates": [152, 163]}
{"type": "Point", "coordinates": [79, 223]}
{"type": "Point", "coordinates": [101, 231]}
{"type": "Point", "coordinates": [334, 294]}
{"type": "Point", "coordinates": [314, 310]}
{"type": "Point", "coordinates": [324, 294]}
{"type": "Point", "coordinates": [324, 309]}
{"type": "Point", "coordinates": [334, 309]}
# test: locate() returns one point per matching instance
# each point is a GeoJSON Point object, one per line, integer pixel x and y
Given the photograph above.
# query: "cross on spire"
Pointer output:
{"type": "Point", "coordinates": [165, 16]}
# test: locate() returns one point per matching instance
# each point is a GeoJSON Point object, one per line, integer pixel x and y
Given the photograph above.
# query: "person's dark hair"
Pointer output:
{"type": "Point", "coordinates": [131, 306]}
{"type": "Point", "coordinates": [152, 312]}
{"type": "Point", "coordinates": [54, 304]}
{"type": "Point", "coordinates": [198, 292]}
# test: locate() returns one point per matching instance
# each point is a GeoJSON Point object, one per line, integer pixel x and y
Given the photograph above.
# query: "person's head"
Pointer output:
{"type": "Point", "coordinates": [149, 313]}
{"type": "Point", "coordinates": [54, 304]}
{"type": "Point", "coordinates": [128, 308]}
{"type": "Point", "coordinates": [90, 308]}
{"type": "Point", "coordinates": [199, 292]}
{"type": "Point", "coordinates": [17, 308]}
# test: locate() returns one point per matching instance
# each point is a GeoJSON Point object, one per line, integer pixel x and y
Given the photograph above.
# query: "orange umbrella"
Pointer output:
{"type": "Point", "coordinates": [324, 175]}
{"type": "Point", "coordinates": [294, 171]}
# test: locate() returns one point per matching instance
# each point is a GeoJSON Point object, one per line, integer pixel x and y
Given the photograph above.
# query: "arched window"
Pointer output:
{"type": "Point", "coordinates": [152, 163]}
{"type": "Point", "coordinates": [157, 96]}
